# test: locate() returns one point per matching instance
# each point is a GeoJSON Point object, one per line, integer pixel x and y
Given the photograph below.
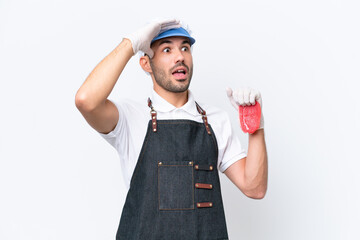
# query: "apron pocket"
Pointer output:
{"type": "Point", "coordinates": [176, 185]}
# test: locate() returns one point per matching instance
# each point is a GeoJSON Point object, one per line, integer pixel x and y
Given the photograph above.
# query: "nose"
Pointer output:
{"type": "Point", "coordinates": [179, 57]}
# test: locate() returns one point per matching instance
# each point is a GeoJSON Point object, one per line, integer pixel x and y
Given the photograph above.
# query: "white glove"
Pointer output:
{"type": "Point", "coordinates": [142, 38]}
{"type": "Point", "coordinates": [245, 97]}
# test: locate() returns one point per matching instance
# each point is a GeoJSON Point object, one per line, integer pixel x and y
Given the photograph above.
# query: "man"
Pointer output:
{"type": "Point", "coordinates": [171, 147]}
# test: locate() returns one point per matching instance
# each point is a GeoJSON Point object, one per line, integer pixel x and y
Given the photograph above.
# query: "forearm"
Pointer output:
{"type": "Point", "coordinates": [100, 82]}
{"type": "Point", "coordinates": [256, 167]}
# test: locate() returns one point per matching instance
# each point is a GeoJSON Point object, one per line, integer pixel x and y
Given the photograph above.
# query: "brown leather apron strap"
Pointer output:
{"type": "Point", "coordinates": [204, 204]}
{"type": "Point", "coordinates": [153, 115]}
{"type": "Point", "coordinates": [204, 185]}
{"type": "Point", "coordinates": [204, 117]}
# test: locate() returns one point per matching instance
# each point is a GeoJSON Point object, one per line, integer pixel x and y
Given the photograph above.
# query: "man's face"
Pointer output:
{"type": "Point", "coordinates": [172, 64]}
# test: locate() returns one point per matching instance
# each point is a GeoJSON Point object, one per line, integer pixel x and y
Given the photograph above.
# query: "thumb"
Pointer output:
{"type": "Point", "coordinates": [229, 93]}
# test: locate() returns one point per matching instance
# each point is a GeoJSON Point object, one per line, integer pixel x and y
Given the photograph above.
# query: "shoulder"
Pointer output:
{"type": "Point", "coordinates": [130, 107]}
{"type": "Point", "coordinates": [215, 114]}
{"type": "Point", "coordinates": [220, 122]}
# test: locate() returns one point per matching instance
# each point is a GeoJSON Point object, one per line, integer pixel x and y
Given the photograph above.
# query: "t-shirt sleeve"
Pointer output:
{"type": "Point", "coordinates": [230, 148]}
{"type": "Point", "coordinates": [119, 131]}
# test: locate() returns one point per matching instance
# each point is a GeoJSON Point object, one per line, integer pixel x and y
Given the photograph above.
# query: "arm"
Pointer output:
{"type": "Point", "coordinates": [91, 98]}
{"type": "Point", "coordinates": [250, 174]}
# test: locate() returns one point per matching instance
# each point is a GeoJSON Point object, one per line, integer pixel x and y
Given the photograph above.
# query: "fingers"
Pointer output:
{"type": "Point", "coordinates": [252, 97]}
{"type": "Point", "coordinates": [161, 25]}
{"type": "Point", "coordinates": [229, 93]}
{"type": "Point", "coordinates": [239, 95]}
{"type": "Point", "coordinates": [246, 96]}
{"type": "Point", "coordinates": [169, 24]}
{"type": "Point", "coordinates": [255, 96]}
{"type": "Point", "coordinates": [258, 97]}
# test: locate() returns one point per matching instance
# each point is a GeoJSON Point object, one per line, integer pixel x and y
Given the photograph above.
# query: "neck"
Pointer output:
{"type": "Point", "coordinates": [176, 99]}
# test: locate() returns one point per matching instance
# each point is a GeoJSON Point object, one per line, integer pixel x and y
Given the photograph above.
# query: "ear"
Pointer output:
{"type": "Point", "coordinates": [145, 63]}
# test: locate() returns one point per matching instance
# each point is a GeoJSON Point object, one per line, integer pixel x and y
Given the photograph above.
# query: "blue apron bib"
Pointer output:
{"type": "Point", "coordinates": [175, 190]}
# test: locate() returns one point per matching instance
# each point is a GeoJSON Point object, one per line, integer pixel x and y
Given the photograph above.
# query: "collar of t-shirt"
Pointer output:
{"type": "Point", "coordinates": [161, 105]}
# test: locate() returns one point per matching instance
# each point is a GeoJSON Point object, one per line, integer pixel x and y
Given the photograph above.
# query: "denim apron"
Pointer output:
{"type": "Point", "coordinates": [175, 191]}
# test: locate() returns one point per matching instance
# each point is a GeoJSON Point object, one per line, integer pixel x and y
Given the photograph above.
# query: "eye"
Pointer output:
{"type": "Point", "coordinates": [166, 49]}
{"type": "Point", "coordinates": [184, 49]}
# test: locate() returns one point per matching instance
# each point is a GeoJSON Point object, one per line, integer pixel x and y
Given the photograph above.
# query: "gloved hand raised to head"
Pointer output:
{"type": "Point", "coordinates": [248, 103]}
{"type": "Point", "coordinates": [141, 39]}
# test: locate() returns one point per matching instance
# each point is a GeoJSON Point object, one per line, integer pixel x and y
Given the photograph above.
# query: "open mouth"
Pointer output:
{"type": "Point", "coordinates": [180, 73]}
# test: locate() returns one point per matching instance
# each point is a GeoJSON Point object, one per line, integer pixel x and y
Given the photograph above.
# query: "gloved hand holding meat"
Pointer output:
{"type": "Point", "coordinates": [248, 103]}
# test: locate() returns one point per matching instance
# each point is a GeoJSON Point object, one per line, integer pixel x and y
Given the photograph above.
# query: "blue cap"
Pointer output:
{"type": "Point", "coordinates": [174, 32]}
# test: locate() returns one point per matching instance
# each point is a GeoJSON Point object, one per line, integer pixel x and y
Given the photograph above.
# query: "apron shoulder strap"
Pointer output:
{"type": "Point", "coordinates": [204, 117]}
{"type": "Point", "coordinates": [200, 110]}
{"type": "Point", "coordinates": [153, 115]}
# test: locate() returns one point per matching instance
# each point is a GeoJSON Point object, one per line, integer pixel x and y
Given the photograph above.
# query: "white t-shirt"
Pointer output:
{"type": "Point", "coordinates": [128, 136]}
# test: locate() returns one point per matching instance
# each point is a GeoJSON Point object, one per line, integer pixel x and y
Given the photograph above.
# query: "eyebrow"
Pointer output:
{"type": "Point", "coordinates": [170, 42]}
{"type": "Point", "coordinates": [186, 42]}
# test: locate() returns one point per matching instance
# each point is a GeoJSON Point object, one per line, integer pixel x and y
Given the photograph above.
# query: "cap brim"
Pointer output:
{"type": "Point", "coordinates": [176, 32]}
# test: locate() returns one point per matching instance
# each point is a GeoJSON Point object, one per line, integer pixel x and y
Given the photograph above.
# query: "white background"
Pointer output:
{"type": "Point", "coordinates": [60, 180]}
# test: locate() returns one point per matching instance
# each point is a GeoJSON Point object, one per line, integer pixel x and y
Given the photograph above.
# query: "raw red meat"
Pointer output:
{"type": "Point", "coordinates": [250, 117]}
